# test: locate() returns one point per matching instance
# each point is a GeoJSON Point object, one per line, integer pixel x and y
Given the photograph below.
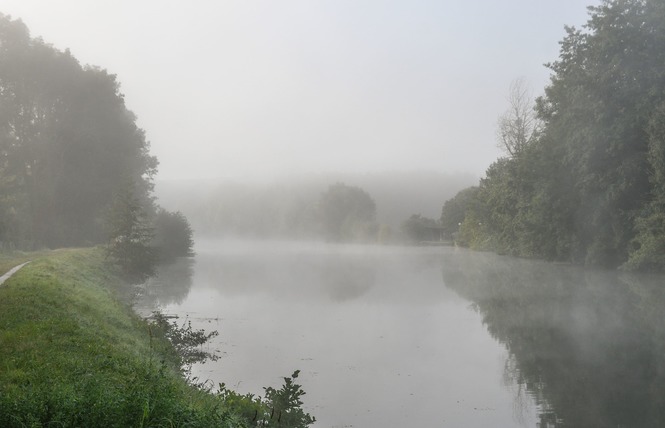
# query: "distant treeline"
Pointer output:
{"type": "Point", "coordinates": [71, 153]}
{"type": "Point", "coordinates": [337, 212]}
{"type": "Point", "coordinates": [298, 207]}
{"type": "Point", "coordinates": [584, 178]}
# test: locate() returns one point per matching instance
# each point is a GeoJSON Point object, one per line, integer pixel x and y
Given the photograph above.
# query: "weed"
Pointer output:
{"type": "Point", "coordinates": [187, 343]}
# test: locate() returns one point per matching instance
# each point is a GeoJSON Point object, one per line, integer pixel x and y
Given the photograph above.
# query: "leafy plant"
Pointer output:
{"type": "Point", "coordinates": [129, 236]}
{"type": "Point", "coordinates": [187, 343]}
{"type": "Point", "coordinates": [173, 235]}
{"type": "Point", "coordinates": [285, 405]}
{"type": "Point", "coordinates": [280, 407]}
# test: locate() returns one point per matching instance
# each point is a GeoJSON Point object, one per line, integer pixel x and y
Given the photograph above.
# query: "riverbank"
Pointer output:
{"type": "Point", "coordinates": [73, 354]}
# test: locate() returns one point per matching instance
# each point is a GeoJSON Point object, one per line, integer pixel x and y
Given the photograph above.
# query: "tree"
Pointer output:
{"type": "Point", "coordinates": [130, 236]}
{"type": "Point", "coordinates": [519, 126]}
{"type": "Point", "coordinates": [173, 236]}
{"type": "Point", "coordinates": [454, 210]}
{"type": "Point", "coordinates": [67, 141]}
{"type": "Point", "coordinates": [606, 84]}
{"type": "Point", "coordinates": [419, 229]}
{"type": "Point", "coordinates": [347, 213]}
{"type": "Point", "coordinates": [648, 247]}
{"type": "Point", "coordinates": [583, 183]}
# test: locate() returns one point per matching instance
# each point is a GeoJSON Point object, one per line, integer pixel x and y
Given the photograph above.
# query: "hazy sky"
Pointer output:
{"type": "Point", "coordinates": [265, 87]}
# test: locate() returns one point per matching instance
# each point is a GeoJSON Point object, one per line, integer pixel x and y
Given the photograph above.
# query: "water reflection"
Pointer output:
{"type": "Point", "coordinates": [379, 340]}
{"type": "Point", "coordinates": [171, 285]}
{"type": "Point", "coordinates": [588, 346]}
{"type": "Point", "coordinates": [347, 279]}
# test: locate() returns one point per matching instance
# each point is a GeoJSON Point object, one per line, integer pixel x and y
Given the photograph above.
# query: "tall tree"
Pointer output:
{"type": "Point", "coordinates": [67, 141]}
{"type": "Point", "coordinates": [173, 236]}
{"type": "Point", "coordinates": [347, 213]}
{"type": "Point", "coordinates": [586, 188]}
{"type": "Point", "coordinates": [606, 83]}
{"type": "Point", "coordinates": [648, 247]}
{"type": "Point", "coordinates": [455, 210]}
{"type": "Point", "coordinates": [518, 127]}
{"type": "Point", "coordinates": [420, 229]}
{"type": "Point", "coordinates": [130, 236]}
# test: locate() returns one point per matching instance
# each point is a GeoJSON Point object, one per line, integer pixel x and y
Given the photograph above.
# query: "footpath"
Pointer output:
{"type": "Point", "coordinates": [11, 272]}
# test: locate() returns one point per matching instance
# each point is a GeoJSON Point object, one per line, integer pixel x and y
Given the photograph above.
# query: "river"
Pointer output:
{"type": "Point", "coordinates": [426, 336]}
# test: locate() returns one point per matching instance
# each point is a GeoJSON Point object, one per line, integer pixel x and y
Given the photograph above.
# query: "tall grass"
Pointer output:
{"type": "Point", "coordinates": [73, 355]}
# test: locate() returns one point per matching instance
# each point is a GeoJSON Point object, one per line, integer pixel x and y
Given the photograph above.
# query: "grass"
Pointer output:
{"type": "Point", "coordinates": [72, 355]}
{"type": "Point", "coordinates": [10, 259]}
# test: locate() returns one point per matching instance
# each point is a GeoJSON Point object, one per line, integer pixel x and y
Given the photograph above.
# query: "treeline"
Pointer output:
{"type": "Point", "coordinates": [292, 208]}
{"type": "Point", "coordinates": [335, 212]}
{"type": "Point", "coordinates": [70, 150]}
{"type": "Point", "coordinates": [584, 176]}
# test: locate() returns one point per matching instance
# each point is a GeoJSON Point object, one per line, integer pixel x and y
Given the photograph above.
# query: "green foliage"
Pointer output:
{"type": "Point", "coordinates": [67, 142]}
{"type": "Point", "coordinates": [454, 210]}
{"type": "Point", "coordinates": [130, 237]}
{"type": "Point", "coordinates": [280, 407]}
{"type": "Point", "coordinates": [587, 187]}
{"type": "Point", "coordinates": [186, 342]}
{"type": "Point", "coordinates": [472, 234]}
{"type": "Point", "coordinates": [418, 228]}
{"type": "Point", "coordinates": [649, 251]}
{"type": "Point", "coordinates": [285, 405]}
{"type": "Point", "coordinates": [607, 81]}
{"type": "Point", "coordinates": [173, 236]}
{"type": "Point", "coordinates": [347, 213]}
{"type": "Point", "coordinates": [73, 355]}
{"type": "Point", "coordinates": [648, 247]}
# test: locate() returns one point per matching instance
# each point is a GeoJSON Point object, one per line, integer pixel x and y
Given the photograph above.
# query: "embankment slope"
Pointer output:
{"type": "Point", "coordinates": [72, 354]}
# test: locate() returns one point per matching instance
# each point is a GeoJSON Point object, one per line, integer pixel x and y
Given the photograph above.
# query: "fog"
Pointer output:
{"type": "Point", "coordinates": [245, 90]}
{"type": "Point", "coordinates": [399, 99]}
{"type": "Point", "coordinates": [397, 195]}
{"type": "Point", "coordinates": [426, 336]}
{"type": "Point", "coordinates": [311, 146]}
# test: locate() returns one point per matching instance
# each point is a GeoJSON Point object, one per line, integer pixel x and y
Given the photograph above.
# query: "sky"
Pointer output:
{"type": "Point", "coordinates": [247, 89]}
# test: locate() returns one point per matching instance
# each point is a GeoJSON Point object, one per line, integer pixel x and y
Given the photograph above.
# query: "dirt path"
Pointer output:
{"type": "Point", "coordinates": [11, 272]}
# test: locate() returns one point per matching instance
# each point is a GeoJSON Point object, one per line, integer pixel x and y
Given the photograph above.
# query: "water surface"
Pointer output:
{"type": "Point", "coordinates": [412, 336]}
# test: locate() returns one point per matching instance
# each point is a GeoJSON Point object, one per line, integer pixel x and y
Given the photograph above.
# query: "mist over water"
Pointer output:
{"type": "Point", "coordinates": [370, 125]}
{"type": "Point", "coordinates": [370, 327]}
{"type": "Point", "coordinates": [418, 336]}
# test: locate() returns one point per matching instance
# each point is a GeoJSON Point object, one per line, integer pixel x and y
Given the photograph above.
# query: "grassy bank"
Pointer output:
{"type": "Point", "coordinates": [72, 354]}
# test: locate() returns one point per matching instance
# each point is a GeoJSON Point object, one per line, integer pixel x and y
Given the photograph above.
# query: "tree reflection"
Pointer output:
{"type": "Point", "coordinates": [346, 278]}
{"type": "Point", "coordinates": [171, 285]}
{"type": "Point", "coordinates": [588, 346]}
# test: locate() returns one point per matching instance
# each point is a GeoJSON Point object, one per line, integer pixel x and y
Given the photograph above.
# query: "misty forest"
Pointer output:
{"type": "Point", "coordinates": [529, 297]}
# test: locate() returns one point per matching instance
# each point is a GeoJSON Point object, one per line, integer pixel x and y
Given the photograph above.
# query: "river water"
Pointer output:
{"type": "Point", "coordinates": [426, 336]}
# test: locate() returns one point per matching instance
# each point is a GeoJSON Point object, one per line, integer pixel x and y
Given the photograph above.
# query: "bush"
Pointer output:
{"type": "Point", "coordinates": [418, 228]}
{"type": "Point", "coordinates": [173, 236]}
{"type": "Point", "coordinates": [129, 237]}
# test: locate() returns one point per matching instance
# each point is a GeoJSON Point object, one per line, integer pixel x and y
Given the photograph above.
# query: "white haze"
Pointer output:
{"type": "Point", "coordinates": [240, 89]}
